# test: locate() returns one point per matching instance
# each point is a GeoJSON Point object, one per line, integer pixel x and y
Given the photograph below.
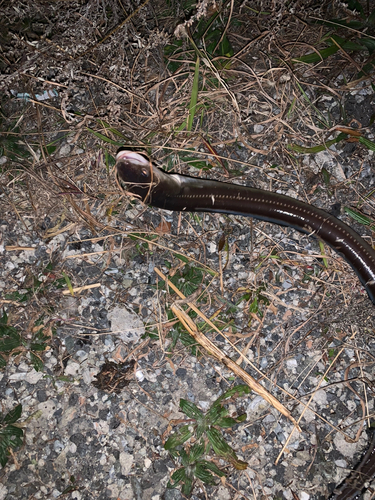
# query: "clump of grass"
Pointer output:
{"type": "Point", "coordinates": [360, 29]}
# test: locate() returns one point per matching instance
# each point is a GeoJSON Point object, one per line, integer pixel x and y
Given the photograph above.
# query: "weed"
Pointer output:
{"type": "Point", "coordinates": [10, 339]}
{"type": "Point", "coordinates": [255, 298]}
{"type": "Point", "coordinates": [203, 429]}
{"type": "Point", "coordinates": [179, 333]}
{"type": "Point", "coordinates": [211, 45]}
{"type": "Point", "coordinates": [193, 467]}
{"type": "Point", "coordinates": [361, 24]}
{"type": "Point", "coordinates": [143, 241]}
{"type": "Point", "coordinates": [11, 436]}
{"type": "Point", "coordinates": [353, 135]}
{"type": "Point", "coordinates": [208, 34]}
{"type": "Point", "coordinates": [12, 343]}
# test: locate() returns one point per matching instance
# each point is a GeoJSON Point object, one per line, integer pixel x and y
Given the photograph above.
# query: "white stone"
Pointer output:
{"type": "Point", "coordinates": [72, 368]}
{"type": "Point", "coordinates": [303, 495]}
{"type": "Point", "coordinates": [126, 461]}
{"type": "Point", "coordinates": [127, 325]}
{"type": "Point", "coordinates": [32, 377]}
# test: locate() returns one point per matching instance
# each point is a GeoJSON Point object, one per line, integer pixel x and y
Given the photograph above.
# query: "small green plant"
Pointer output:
{"type": "Point", "coordinates": [12, 343]}
{"type": "Point", "coordinates": [10, 339]}
{"type": "Point", "coordinates": [193, 467]}
{"type": "Point", "coordinates": [179, 333]}
{"type": "Point", "coordinates": [255, 298]}
{"type": "Point", "coordinates": [142, 240]}
{"type": "Point", "coordinates": [203, 428]}
{"type": "Point", "coordinates": [11, 436]}
{"type": "Point", "coordinates": [39, 343]}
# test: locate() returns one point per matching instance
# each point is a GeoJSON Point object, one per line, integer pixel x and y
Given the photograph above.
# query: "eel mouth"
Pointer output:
{"type": "Point", "coordinates": [135, 158]}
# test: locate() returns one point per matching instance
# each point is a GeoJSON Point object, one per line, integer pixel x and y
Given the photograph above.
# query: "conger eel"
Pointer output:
{"type": "Point", "coordinates": [137, 175]}
{"type": "Point", "coordinates": [183, 193]}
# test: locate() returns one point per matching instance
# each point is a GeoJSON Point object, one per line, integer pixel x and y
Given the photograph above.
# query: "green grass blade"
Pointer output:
{"type": "Point", "coordinates": [13, 415]}
{"type": "Point", "coordinates": [306, 97]}
{"type": "Point", "coordinates": [69, 283]}
{"type": "Point", "coordinates": [358, 217]}
{"type": "Point", "coordinates": [103, 137]}
{"type": "Point", "coordinates": [316, 57]}
{"type": "Point", "coordinates": [366, 142]}
{"type": "Point", "coordinates": [194, 96]}
{"type": "Point", "coordinates": [317, 149]}
{"type": "Point", "coordinates": [323, 253]}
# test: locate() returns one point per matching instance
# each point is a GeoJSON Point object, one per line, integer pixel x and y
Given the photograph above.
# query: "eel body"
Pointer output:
{"type": "Point", "coordinates": [137, 175]}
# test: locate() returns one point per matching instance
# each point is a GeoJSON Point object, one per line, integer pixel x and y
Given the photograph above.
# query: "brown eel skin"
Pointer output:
{"type": "Point", "coordinates": [137, 175]}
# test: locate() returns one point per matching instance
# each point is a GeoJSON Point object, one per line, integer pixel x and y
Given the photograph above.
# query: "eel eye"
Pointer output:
{"type": "Point", "coordinates": [144, 172]}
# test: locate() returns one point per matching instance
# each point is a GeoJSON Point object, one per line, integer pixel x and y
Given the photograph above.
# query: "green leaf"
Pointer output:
{"type": "Point", "coordinates": [113, 130]}
{"type": "Point", "coordinates": [196, 451]}
{"type": "Point", "coordinates": [13, 415]}
{"type": "Point", "coordinates": [50, 149]}
{"type": "Point", "coordinates": [254, 306]}
{"type": "Point", "coordinates": [215, 413]}
{"type": "Point", "coordinates": [178, 438]}
{"type": "Point", "coordinates": [369, 43]}
{"type": "Point", "coordinates": [316, 57]}
{"type": "Point", "coordinates": [110, 160]}
{"type": "Point", "coordinates": [201, 428]}
{"type": "Point", "coordinates": [202, 473]}
{"type": "Point", "coordinates": [178, 476]}
{"type": "Point", "coordinates": [326, 176]}
{"type": "Point", "coordinates": [317, 149]}
{"type": "Point", "coordinates": [187, 486]}
{"type": "Point", "coordinates": [222, 449]}
{"type": "Point", "coordinates": [191, 410]}
{"type": "Point", "coordinates": [226, 422]}
{"type": "Point", "coordinates": [366, 142]}
{"type": "Point", "coordinates": [10, 338]}
{"type": "Point", "coordinates": [36, 362]}
{"type": "Point", "coordinates": [362, 219]}
{"type": "Point", "coordinates": [366, 70]}
{"type": "Point", "coordinates": [36, 346]}
{"type": "Point", "coordinates": [103, 137]}
{"type": "Point", "coordinates": [69, 283]}
{"type": "Point", "coordinates": [182, 257]}
{"type": "Point", "coordinates": [3, 456]}
{"type": "Point", "coordinates": [3, 363]}
{"type": "Point", "coordinates": [214, 468]}
{"type": "Point", "coordinates": [236, 391]}
{"type": "Point", "coordinates": [354, 5]}
{"type": "Point", "coordinates": [348, 44]}
{"type": "Point", "coordinates": [11, 436]}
